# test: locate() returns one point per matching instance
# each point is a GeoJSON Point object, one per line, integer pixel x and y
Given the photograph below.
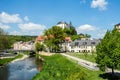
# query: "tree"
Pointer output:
{"type": "Point", "coordinates": [55, 35]}
{"type": "Point", "coordinates": [70, 31]}
{"type": "Point", "coordinates": [108, 51]}
{"type": "Point", "coordinates": [74, 37]}
{"type": "Point", "coordinates": [4, 40]}
{"type": "Point", "coordinates": [39, 46]}
{"type": "Point", "coordinates": [87, 36]}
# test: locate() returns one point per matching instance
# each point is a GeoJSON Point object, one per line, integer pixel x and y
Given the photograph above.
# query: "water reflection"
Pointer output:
{"type": "Point", "coordinates": [39, 63]}
{"type": "Point", "coordinates": [20, 70]}
{"type": "Point", "coordinates": [3, 73]}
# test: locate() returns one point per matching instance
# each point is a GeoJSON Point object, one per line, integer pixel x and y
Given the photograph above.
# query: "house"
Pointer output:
{"type": "Point", "coordinates": [84, 45]}
{"type": "Point", "coordinates": [117, 26]}
{"type": "Point", "coordinates": [40, 38]}
{"type": "Point", "coordinates": [24, 45]}
{"type": "Point", "coordinates": [64, 25]}
{"type": "Point", "coordinates": [65, 46]}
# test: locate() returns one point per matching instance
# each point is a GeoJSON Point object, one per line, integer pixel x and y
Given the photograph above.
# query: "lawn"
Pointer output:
{"type": "Point", "coordinates": [7, 60]}
{"type": "Point", "coordinates": [58, 67]}
{"type": "Point", "coordinates": [88, 57]}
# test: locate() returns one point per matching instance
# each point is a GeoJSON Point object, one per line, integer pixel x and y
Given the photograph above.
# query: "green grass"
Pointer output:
{"type": "Point", "coordinates": [7, 60]}
{"type": "Point", "coordinates": [92, 75]}
{"type": "Point", "coordinates": [88, 57]}
{"type": "Point", "coordinates": [57, 67]}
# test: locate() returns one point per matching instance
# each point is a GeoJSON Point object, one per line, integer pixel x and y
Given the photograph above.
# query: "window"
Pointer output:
{"type": "Point", "coordinates": [88, 50]}
{"type": "Point", "coordinates": [76, 43]}
{"type": "Point", "coordinates": [93, 43]}
{"type": "Point", "coordinates": [84, 43]}
{"type": "Point", "coordinates": [79, 51]}
{"type": "Point", "coordinates": [72, 50]}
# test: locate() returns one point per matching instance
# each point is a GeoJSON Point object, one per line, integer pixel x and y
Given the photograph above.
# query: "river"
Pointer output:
{"type": "Point", "coordinates": [21, 70]}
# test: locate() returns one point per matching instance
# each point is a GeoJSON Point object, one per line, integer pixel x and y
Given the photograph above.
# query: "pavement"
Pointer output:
{"type": "Point", "coordinates": [84, 63]}
{"type": "Point", "coordinates": [6, 55]}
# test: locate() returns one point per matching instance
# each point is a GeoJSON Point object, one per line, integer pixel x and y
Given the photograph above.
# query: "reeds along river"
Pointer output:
{"type": "Point", "coordinates": [21, 70]}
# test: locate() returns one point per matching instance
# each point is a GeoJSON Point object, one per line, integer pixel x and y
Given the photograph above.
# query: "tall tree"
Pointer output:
{"type": "Point", "coordinates": [108, 51]}
{"type": "Point", "coordinates": [4, 40]}
{"type": "Point", "coordinates": [54, 37]}
{"type": "Point", "coordinates": [39, 47]}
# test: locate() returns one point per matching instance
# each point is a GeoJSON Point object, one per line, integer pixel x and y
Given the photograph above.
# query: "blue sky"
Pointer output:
{"type": "Point", "coordinates": [32, 17]}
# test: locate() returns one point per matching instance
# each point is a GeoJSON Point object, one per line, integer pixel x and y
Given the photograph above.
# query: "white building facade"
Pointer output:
{"type": "Point", "coordinates": [83, 45]}
{"type": "Point", "coordinates": [23, 46]}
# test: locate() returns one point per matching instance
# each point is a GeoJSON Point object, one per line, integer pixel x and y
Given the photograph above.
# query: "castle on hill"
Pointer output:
{"type": "Point", "coordinates": [64, 25]}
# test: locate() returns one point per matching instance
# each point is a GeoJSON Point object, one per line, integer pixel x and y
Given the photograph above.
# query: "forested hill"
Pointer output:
{"type": "Point", "coordinates": [14, 38]}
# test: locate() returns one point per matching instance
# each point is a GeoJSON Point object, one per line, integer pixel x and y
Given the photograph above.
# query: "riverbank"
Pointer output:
{"type": "Point", "coordinates": [11, 60]}
{"type": "Point", "coordinates": [57, 67]}
{"type": "Point", "coordinates": [46, 53]}
{"type": "Point", "coordinates": [18, 59]}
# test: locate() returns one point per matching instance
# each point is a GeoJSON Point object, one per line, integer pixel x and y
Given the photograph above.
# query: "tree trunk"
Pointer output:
{"type": "Point", "coordinates": [112, 71]}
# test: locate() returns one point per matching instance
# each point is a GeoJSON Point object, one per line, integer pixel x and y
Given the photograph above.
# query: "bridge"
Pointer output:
{"type": "Point", "coordinates": [12, 50]}
{"type": "Point", "coordinates": [6, 53]}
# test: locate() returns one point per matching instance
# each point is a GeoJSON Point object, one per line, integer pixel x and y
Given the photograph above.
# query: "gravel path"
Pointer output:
{"type": "Point", "coordinates": [84, 63]}
{"type": "Point", "coordinates": [88, 64]}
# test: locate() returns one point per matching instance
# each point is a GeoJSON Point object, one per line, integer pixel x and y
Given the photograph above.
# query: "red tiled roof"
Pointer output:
{"type": "Point", "coordinates": [67, 39]}
{"type": "Point", "coordinates": [40, 38]}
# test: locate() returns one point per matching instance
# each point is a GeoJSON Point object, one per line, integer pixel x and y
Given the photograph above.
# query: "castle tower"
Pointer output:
{"type": "Point", "coordinates": [117, 26]}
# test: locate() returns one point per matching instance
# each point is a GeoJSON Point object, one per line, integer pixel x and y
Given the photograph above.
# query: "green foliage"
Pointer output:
{"type": "Point", "coordinates": [39, 46]}
{"type": "Point", "coordinates": [4, 40]}
{"type": "Point", "coordinates": [7, 60]}
{"type": "Point", "coordinates": [74, 37]}
{"type": "Point", "coordinates": [108, 51]}
{"type": "Point", "coordinates": [54, 37]}
{"type": "Point", "coordinates": [57, 67]}
{"type": "Point", "coordinates": [87, 35]}
{"type": "Point", "coordinates": [70, 31]}
{"type": "Point", "coordinates": [15, 38]}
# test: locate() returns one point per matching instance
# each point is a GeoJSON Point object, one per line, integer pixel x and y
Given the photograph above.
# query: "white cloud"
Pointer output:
{"type": "Point", "coordinates": [7, 18]}
{"type": "Point", "coordinates": [26, 18]}
{"type": "Point", "coordinates": [15, 33]}
{"type": "Point", "coordinates": [101, 33]}
{"type": "Point", "coordinates": [95, 32]}
{"type": "Point", "coordinates": [86, 27]}
{"type": "Point", "coordinates": [101, 4]}
{"type": "Point", "coordinates": [3, 26]}
{"type": "Point", "coordinates": [31, 27]}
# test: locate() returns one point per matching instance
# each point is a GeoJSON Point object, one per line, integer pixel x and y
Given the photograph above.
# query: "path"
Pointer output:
{"type": "Point", "coordinates": [87, 64]}
{"type": "Point", "coordinates": [84, 63]}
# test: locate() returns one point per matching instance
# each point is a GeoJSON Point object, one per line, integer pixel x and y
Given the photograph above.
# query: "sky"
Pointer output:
{"type": "Point", "coordinates": [32, 17]}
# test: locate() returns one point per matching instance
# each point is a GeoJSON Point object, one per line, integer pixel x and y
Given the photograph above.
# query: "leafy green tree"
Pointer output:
{"type": "Point", "coordinates": [4, 40]}
{"type": "Point", "coordinates": [108, 51]}
{"type": "Point", "coordinates": [70, 31]}
{"type": "Point", "coordinates": [87, 35]}
{"type": "Point", "coordinates": [55, 35]}
{"type": "Point", "coordinates": [74, 37]}
{"type": "Point", "coordinates": [39, 47]}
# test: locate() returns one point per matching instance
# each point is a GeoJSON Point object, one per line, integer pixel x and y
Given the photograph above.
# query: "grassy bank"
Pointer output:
{"type": "Point", "coordinates": [88, 57]}
{"type": "Point", "coordinates": [57, 67]}
{"type": "Point", "coordinates": [7, 60]}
